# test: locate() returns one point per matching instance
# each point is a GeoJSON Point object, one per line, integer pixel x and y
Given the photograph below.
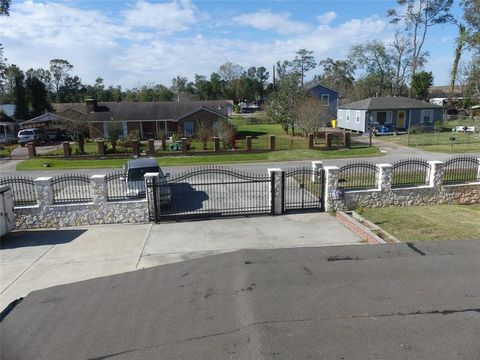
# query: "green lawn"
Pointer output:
{"type": "Point", "coordinates": [435, 222]}
{"type": "Point", "coordinates": [55, 163]}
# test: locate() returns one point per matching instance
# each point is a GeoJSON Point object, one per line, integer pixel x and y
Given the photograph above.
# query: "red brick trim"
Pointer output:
{"type": "Point", "coordinates": [358, 228]}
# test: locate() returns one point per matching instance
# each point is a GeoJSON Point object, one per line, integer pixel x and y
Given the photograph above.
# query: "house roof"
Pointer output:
{"type": "Point", "coordinates": [165, 110]}
{"type": "Point", "coordinates": [388, 103]}
{"type": "Point", "coordinates": [45, 118]}
{"type": "Point", "coordinates": [326, 87]}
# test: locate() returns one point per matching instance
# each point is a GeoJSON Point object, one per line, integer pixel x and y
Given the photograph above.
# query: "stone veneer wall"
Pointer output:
{"type": "Point", "coordinates": [433, 194]}
{"type": "Point", "coordinates": [48, 215]}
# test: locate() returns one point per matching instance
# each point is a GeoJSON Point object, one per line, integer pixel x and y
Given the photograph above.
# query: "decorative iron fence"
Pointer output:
{"type": "Point", "coordinates": [410, 172]}
{"type": "Point", "coordinates": [358, 176]}
{"type": "Point", "coordinates": [71, 189]}
{"type": "Point", "coordinates": [23, 189]}
{"type": "Point", "coordinates": [210, 192]}
{"type": "Point", "coordinates": [303, 189]}
{"type": "Point", "coordinates": [461, 169]}
{"type": "Point", "coordinates": [116, 186]}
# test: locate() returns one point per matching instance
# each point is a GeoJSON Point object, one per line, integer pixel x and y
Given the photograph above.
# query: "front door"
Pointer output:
{"type": "Point", "coordinates": [401, 119]}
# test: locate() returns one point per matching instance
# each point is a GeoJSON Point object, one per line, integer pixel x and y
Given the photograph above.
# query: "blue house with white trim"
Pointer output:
{"type": "Point", "coordinates": [396, 113]}
{"type": "Point", "coordinates": [326, 96]}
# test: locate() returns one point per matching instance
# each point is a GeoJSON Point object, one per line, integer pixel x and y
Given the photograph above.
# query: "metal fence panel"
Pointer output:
{"type": "Point", "coordinates": [301, 192]}
{"type": "Point", "coordinates": [71, 189]}
{"type": "Point", "coordinates": [212, 192]}
{"type": "Point", "coordinates": [23, 189]}
{"type": "Point", "coordinates": [117, 189]}
{"type": "Point", "coordinates": [410, 172]}
{"type": "Point", "coordinates": [358, 176]}
{"type": "Point", "coordinates": [461, 169]}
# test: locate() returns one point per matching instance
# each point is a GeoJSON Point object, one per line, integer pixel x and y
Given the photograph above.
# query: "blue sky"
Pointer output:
{"type": "Point", "coordinates": [132, 43]}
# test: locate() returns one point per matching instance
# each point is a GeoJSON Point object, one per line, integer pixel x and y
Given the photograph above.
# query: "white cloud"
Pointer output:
{"type": "Point", "coordinates": [267, 20]}
{"type": "Point", "coordinates": [327, 18]}
{"type": "Point", "coordinates": [170, 16]}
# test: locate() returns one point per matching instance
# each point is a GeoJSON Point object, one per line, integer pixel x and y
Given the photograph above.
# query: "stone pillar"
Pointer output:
{"type": "Point", "coordinates": [67, 151]}
{"type": "Point", "coordinates": [151, 146]}
{"type": "Point", "coordinates": [101, 147]}
{"type": "Point", "coordinates": [272, 143]}
{"type": "Point", "coordinates": [135, 147]}
{"type": "Point", "coordinates": [249, 143]}
{"type": "Point", "coordinates": [435, 179]}
{"type": "Point", "coordinates": [99, 189]}
{"type": "Point", "coordinates": [44, 190]}
{"type": "Point", "coordinates": [31, 150]}
{"type": "Point", "coordinates": [153, 207]}
{"type": "Point", "coordinates": [184, 145]}
{"type": "Point", "coordinates": [311, 143]}
{"type": "Point", "coordinates": [317, 167]}
{"type": "Point", "coordinates": [384, 180]}
{"type": "Point", "coordinates": [216, 144]}
{"type": "Point", "coordinates": [328, 140]}
{"type": "Point", "coordinates": [346, 140]}
{"type": "Point", "coordinates": [276, 194]}
{"type": "Point", "coordinates": [333, 197]}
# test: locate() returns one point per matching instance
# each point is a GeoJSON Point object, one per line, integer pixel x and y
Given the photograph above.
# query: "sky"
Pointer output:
{"type": "Point", "coordinates": [142, 42]}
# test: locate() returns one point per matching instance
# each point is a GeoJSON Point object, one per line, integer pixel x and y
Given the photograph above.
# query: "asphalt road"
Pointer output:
{"type": "Point", "coordinates": [403, 301]}
{"type": "Point", "coordinates": [391, 153]}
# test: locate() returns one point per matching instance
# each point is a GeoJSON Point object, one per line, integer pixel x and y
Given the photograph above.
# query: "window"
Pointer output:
{"type": "Point", "coordinates": [340, 114]}
{"type": "Point", "coordinates": [426, 116]}
{"type": "Point", "coordinates": [325, 99]}
{"type": "Point", "coordinates": [188, 129]}
{"type": "Point", "coordinates": [357, 117]}
{"type": "Point", "coordinates": [347, 119]}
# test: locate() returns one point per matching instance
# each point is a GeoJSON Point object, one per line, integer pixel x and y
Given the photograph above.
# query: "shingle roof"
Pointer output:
{"type": "Point", "coordinates": [168, 110]}
{"type": "Point", "coordinates": [387, 103]}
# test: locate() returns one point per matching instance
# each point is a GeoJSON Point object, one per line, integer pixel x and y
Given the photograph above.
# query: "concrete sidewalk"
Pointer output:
{"type": "Point", "coordinates": [31, 260]}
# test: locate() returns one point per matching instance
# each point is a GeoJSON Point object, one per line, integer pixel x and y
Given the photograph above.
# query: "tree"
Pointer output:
{"type": "Point", "coordinates": [229, 71]}
{"type": "Point", "coordinates": [77, 127]}
{"type": "Point", "coordinates": [471, 15]}
{"type": "Point", "coordinates": [3, 71]}
{"type": "Point", "coordinates": [473, 76]}
{"type": "Point", "coordinates": [401, 52]}
{"type": "Point", "coordinates": [72, 90]}
{"type": "Point", "coordinates": [114, 130]}
{"type": "Point", "coordinates": [37, 96]}
{"type": "Point", "coordinates": [373, 57]}
{"type": "Point", "coordinates": [204, 133]}
{"type": "Point", "coordinates": [262, 76]}
{"type": "Point", "coordinates": [303, 62]}
{"type": "Point", "coordinates": [59, 69]}
{"type": "Point", "coordinates": [179, 86]}
{"type": "Point", "coordinates": [19, 93]}
{"type": "Point", "coordinates": [460, 43]}
{"type": "Point", "coordinates": [421, 83]}
{"type": "Point", "coordinates": [5, 7]}
{"type": "Point", "coordinates": [281, 104]}
{"type": "Point", "coordinates": [338, 75]}
{"type": "Point", "coordinates": [418, 16]}
{"type": "Point", "coordinates": [311, 114]}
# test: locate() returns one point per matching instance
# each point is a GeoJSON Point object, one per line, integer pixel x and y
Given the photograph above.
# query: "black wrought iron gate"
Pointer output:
{"type": "Point", "coordinates": [210, 192]}
{"type": "Point", "coordinates": [303, 189]}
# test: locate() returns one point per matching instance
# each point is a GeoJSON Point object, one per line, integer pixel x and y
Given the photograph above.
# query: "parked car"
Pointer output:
{"type": "Point", "coordinates": [53, 134]}
{"type": "Point", "coordinates": [135, 182]}
{"type": "Point", "coordinates": [31, 135]}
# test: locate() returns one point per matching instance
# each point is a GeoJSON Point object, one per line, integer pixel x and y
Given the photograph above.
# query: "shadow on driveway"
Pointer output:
{"type": "Point", "coordinates": [18, 239]}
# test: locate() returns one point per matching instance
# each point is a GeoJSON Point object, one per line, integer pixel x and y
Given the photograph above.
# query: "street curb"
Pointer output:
{"type": "Point", "coordinates": [358, 228]}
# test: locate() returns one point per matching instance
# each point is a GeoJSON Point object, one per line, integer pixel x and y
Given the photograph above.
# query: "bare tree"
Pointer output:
{"type": "Point", "coordinates": [401, 52]}
{"type": "Point", "coordinates": [310, 115]}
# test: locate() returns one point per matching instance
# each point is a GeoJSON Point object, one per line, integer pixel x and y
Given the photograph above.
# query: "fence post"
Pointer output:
{"type": "Point", "coordinates": [346, 140]}
{"type": "Point", "coordinates": [135, 147]}
{"type": "Point", "coordinates": [101, 147]}
{"type": "Point", "coordinates": [384, 180]}
{"type": "Point", "coordinates": [151, 146]}
{"type": "Point", "coordinates": [151, 181]}
{"type": "Point", "coordinates": [310, 141]}
{"type": "Point", "coordinates": [332, 193]}
{"type": "Point", "coordinates": [317, 167]}
{"type": "Point", "coordinates": [67, 152]}
{"type": "Point", "coordinates": [216, 144]}
{"type": "Point", "coordinates": [99, 189]}
{"type": "Point", "coordinates": [328, 140]}
{"type": "Point", "coordinates": [44, 190]}
{"type": "Point", "coordinates": [249, 143]}
{"type": "Point", "coordinates": [437, 169]}
{"type": "Point", "coordinates": [32, 152]}
{"type": "Point", "coordinates": [276, 190]}
{"type": "Point", "coordinates": [184, 145]}
{"type": "Point", "coordinates": [272, 143]}
{"type": "Point", "coordinates": [478, 171]}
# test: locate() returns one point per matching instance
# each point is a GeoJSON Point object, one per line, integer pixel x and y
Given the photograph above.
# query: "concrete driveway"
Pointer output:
{"type": "Point", "coordinates": [36, 259]}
